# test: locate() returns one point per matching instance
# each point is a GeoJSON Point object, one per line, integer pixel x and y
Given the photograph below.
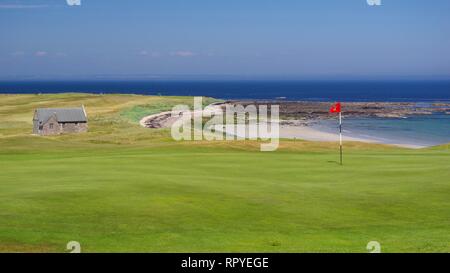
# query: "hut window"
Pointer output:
{"type": "Point", "coordinates": [51, 125]}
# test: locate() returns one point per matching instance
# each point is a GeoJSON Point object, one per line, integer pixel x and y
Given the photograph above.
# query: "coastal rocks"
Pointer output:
{"type": "Point", "coordinates": [307, 110]}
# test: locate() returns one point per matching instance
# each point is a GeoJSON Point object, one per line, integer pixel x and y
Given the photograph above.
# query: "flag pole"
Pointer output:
{"type": "Point", "coordinates": [340, 136]}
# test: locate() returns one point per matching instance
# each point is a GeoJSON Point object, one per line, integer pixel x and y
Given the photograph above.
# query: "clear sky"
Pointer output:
{"type": "Point", "coordinates": [300, 38]}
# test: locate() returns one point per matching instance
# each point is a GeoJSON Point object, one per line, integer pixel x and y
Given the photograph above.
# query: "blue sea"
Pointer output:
{"type": "Point", "coordinates": [420, 130]}
{"type": "Point", "coordinates": [250, 89]}
{"type": "Point", "coordinates": [414, 130]}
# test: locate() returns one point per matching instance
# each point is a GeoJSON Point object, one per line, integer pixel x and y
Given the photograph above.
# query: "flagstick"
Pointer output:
{"type": "Point", "coordinates": [340, 135]}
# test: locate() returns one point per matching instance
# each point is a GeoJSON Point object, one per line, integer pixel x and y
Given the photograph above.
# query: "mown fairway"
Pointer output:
{"type": "Point", "coordinates": [125, 188]}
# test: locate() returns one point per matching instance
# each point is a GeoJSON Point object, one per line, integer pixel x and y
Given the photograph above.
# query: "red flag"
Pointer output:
{"type": "Point", "coordinates": [335, 108]}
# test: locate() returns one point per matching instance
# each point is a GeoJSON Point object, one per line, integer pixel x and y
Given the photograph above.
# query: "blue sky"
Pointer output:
{"type": "Point", "coordinates": [298, 38]}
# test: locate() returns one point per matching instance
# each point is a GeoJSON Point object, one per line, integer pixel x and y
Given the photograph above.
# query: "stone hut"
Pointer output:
{"type": "Point", "coordinates": [55, 121]}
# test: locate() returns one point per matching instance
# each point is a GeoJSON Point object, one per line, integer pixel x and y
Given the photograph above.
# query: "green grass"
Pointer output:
{"type": "Point", "coordinates": [125, 188]}
{"type": "Point", "coordinates": [136, 113]}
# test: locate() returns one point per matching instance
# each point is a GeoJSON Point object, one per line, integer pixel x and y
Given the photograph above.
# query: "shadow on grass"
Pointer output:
{"type": "Point", "coordinates": [334, 162]}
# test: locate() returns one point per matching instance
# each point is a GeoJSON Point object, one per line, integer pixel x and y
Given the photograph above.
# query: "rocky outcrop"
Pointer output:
{"type": "Point", "coordinates": [313, 110]}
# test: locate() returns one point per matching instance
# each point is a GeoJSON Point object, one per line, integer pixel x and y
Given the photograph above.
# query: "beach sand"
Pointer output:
{"type": "Point", "coordinates": [299, 131]}
{"type": "Point", "coordinates": [311, 134]}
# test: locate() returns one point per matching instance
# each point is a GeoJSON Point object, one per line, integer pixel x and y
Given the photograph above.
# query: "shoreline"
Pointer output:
{"type": "Point", "coordinates": [289, 129]}
{"type": "Point", "coordinates": [313, 134]}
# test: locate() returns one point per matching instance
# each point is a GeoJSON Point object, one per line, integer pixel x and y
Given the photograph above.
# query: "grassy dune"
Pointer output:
{"type": "Point", "coordinates": [121, 187]}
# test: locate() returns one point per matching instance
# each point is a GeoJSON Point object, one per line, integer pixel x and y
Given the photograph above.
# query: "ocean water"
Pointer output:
{"type": "Point", "coordinates": [426, 130]}
{"type": "Point", "coordinates": [269, 90]}
{"type": "Point", "coordinates": [415, 130]}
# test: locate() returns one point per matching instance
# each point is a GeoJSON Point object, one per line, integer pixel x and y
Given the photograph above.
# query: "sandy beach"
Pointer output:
{"type": "Point", "coordinates": [293, 130]}
{"type": "Point", "coordinates": [310, 134]}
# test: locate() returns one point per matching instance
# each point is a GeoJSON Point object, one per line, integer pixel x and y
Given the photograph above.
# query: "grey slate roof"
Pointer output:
{"type": "Point", "coordinates": [62, 114]}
